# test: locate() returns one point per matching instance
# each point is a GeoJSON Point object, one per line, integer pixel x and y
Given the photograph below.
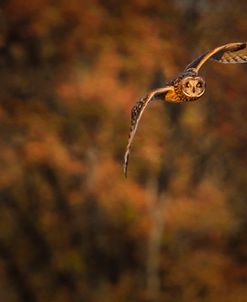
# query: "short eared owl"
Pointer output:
{"type": "Point", "coordinates": [187, 86]}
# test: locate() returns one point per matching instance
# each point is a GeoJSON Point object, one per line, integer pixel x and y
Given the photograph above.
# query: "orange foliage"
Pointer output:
{"type": "Point", "coordinates": [72, 228]}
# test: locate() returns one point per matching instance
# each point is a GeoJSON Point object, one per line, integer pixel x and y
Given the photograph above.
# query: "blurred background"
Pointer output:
{"type": "Point", "coordinates": [72, 228]}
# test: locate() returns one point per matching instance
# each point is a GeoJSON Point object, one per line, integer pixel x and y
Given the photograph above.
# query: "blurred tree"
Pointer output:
{"type": "Point", "coordinates": [71, 227]}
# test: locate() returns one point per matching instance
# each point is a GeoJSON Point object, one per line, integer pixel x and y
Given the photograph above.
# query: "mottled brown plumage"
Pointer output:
{"type": "Point", "coordinates": [187, 86]}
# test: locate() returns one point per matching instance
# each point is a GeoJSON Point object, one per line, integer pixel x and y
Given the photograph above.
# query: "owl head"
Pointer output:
{"type": "Point", "coordinates": [193, 86]}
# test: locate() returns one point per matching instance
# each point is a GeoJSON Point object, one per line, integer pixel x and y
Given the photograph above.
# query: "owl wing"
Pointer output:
{"type": "Point", "coordinates": [136, 114]}
{"type": "Point", "coordinates": [228, 54]}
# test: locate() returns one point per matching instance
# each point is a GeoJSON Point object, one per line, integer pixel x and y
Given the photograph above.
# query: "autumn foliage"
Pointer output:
{"type": "Point", "coordinates": [72, 228]}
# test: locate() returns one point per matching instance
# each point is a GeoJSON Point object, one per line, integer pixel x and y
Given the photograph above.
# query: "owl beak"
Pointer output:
{"type": "Point", "coordinates": [194, 90]}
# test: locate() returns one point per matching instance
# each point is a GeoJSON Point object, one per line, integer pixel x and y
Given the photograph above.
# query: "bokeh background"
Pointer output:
{"type": "Point", "coordinates": [72, 228]}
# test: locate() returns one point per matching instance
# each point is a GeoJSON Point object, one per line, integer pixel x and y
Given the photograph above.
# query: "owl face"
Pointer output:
{"type": "Point", "coordinates": [193, 87]}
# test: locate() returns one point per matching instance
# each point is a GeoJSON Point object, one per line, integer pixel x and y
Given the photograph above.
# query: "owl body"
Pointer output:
{"type": "Point", "coordinates": [188, 86]}
{"type": "Point", "coordinates": [177, 93]}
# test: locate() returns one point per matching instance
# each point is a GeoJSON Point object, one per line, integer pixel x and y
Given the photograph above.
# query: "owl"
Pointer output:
{"type": "Point", "coordinates": [188, 86]}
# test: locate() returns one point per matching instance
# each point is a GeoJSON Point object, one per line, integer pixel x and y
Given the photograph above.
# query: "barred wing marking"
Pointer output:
{"type": "Point", "coordinates": [231, 53]}
{"type": "Point", "coordinates": [136, 114]}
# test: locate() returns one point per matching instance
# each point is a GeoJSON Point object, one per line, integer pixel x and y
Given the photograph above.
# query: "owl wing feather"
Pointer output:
{"type": "Point", "coordinates": [231, 53]}
{"type": "Point", "coordinates": [136, 114]}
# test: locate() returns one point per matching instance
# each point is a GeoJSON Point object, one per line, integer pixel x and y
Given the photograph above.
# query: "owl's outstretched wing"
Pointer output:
{"type": "Point", "coordinates": [136, 114]}
{"type": "Point", "coordinates": [231, 53]}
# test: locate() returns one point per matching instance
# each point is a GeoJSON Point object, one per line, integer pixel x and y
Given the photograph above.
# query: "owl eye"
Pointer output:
{"type": "Point", "coordinates": [187, 84]}
{"type": "Point", "coordinates": [199, 85]}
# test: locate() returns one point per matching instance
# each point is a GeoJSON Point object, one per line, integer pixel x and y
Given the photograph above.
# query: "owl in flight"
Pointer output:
{"type": "Point", "coordinates": [187, 86]}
